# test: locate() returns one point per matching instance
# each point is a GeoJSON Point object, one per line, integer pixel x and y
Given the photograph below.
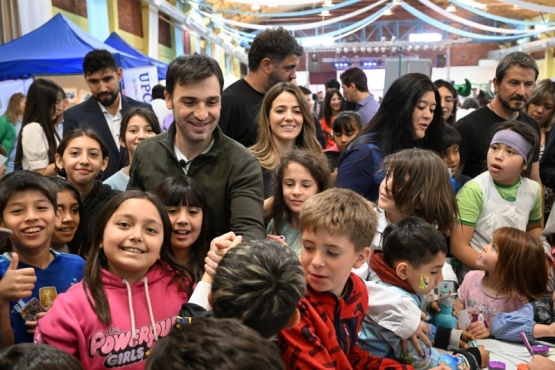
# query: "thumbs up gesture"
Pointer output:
{"type": "Point", "coordinates": [16, 284]}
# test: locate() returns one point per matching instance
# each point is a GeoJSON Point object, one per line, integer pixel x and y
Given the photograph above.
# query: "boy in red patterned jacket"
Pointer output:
{"type": "Point", "coordinates": [337, 226]}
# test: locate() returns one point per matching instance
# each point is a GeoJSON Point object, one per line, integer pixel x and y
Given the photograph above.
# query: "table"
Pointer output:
{"type": "Point", "coordinates": [511, 353]}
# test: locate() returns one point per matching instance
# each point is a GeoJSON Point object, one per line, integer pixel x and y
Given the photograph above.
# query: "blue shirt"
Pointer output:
{"type": "Point", "coordinates": [64, 271]}
{"type": "Point", "coordinates": [367, 109]}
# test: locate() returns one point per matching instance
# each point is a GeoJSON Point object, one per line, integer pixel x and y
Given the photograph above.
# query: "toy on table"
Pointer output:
{"type": "Point", "coordinates": [496, 365]}
{"type": "Point", "coordinates": [540, 349]}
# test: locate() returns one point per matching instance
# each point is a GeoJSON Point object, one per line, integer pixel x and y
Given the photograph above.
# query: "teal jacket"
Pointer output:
{"type": "Point", "coordinates": [7, 133]}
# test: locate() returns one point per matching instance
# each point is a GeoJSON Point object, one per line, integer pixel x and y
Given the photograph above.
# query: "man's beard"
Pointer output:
{"type": "Point", "coordinates": [274, 79]}
{"type": "Point", "coordinates": [507, 104]}
{"type": "Point", "coordinates": [105, 101]}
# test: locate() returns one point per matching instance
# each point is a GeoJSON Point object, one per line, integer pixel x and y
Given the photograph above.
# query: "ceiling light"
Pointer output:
{"type": "Point", "coordinates": [328, 3]}
{"type": "Point", "coordinates": [325, 13]}
{"type": "Point", "coordinates": [255, 7]}
{"type": "Point", "coordinates": [388, 12]}
{"type": "Point", "coordinates": [425, 37]}
{"type": "Point", "coordinates": [451, 8]}
{"type": "Point", "coordinates": [474, 4]}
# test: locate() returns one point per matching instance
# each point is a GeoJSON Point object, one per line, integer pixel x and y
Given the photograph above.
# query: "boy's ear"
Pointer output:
{"type": "Point", "coordinates": [293, 320]}
{"type": "Point", "coordinates": [362, 257]}
{"type": "Point", "coordinates": [401, 270]}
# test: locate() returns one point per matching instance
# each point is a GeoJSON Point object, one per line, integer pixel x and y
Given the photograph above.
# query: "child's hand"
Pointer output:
{"type": "Point", "coordinates": [538, 362]}
{"type": "Point", "coordinates": [467, 337]}
{"type": "Point", "coordinates": [31, 325]}
{"type": "Point", "coordinates": [420, 333]}
{"type": "Point", "coordinates": [17, 284]}
{"type": "Point", "coordinates": [485, 355]}
{"type": "Point", "coordinates": [218, 247]}
{"type": "Point", "coordinates": [434, 307]}
{"type": "Point", "coordinates": [479, 330]}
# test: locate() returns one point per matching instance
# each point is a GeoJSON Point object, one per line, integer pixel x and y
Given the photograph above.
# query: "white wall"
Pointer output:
{"type": "Point", "coordinates": [483, 73]}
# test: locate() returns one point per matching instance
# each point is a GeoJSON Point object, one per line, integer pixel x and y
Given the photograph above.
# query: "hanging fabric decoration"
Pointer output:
{"type": "Point", "coordinates": [530, 6]}
{"type": "Point", "coordinates": [494, 17]}
{"type": "Point", "coordinates": [460, 32]}
{"type": "Point", "coordinates": [461, 20]}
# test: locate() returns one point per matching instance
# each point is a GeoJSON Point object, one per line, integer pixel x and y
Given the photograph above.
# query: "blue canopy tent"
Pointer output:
{"type": "Point", "coordinates": [117, 42]}
{"type": "Point", "coordinates": [57, 47]}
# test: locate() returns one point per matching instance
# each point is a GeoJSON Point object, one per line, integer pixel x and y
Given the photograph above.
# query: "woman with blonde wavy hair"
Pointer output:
{"type": "Point", "coordinates": [284, 123]}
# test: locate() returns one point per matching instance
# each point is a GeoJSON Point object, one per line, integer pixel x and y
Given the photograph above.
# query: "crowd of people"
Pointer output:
{"type": "Point", "coordinates": [256, 227]}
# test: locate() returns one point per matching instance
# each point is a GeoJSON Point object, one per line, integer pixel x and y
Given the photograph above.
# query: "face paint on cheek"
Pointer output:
{"type": "Point", "coordinates": [424, 281]}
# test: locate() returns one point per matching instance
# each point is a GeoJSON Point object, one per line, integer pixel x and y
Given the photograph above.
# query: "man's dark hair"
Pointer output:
{"type": "Point", "coordinates": [305, 90]}
{"type": "Point", "coordinates": [357, 76]}
{"type": "Point", "coordinates": [332, 84]}
{"type": "Point", "coordinates": [98, 60]}
{"type": "Point", "coordinates": [517, 58]}
{"type": "Point", "coordinates": [158, 92]}
{"type": "Point", "coordinates": [187, 69]}
{"type": "Point", "coordinates": [275, 44]}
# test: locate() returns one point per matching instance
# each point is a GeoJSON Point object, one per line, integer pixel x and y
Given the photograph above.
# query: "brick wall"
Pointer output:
{"type": "Point", "coordinates": [78, 7]}
{"type": "Point", "coordinates": [164, 30]}
{"type": "Point", "coordinates": [130, 16]}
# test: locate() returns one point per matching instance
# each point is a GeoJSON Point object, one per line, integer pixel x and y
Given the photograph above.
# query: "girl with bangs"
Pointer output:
{"type": "Point", "coordinates": [186, 206]}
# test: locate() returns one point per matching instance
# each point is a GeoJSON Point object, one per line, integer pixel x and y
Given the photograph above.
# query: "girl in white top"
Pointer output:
{"type": "Point", "coordinates": [38, 140]}
{"type": "Point", "coordinates": [137, 124]}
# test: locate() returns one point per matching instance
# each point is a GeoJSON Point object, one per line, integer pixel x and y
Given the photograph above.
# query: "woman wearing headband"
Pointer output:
{"type": "Point", "coordinates": [500, 196]}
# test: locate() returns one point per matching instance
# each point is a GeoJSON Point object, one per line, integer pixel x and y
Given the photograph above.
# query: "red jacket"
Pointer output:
{"type": "Point", "coordinates": [326, 335]}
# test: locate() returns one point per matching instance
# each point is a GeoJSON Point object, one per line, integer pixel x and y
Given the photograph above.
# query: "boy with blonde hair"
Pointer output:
{"type": "Point", "coordinates": [337, 226]}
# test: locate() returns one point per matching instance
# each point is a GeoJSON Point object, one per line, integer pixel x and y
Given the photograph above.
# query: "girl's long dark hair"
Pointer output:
{"type": "Point", "coordinates": [76, 244]}
{"type": "Point", "coordinates": [40, 107]}
{"type": "Point", "coordinates": [393, 120]}
{"type": "Point", "coordinates": [92, 280]}
{"type": "Point", "coordinates": [179, 191]}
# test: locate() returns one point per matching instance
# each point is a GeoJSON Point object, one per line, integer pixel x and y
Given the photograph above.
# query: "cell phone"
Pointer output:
{"type": "Point", "coordinates": [31, 309]}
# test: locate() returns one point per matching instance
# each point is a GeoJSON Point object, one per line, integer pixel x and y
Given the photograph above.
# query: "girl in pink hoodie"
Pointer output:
{"type": "Point", "coordinates": [131, 291]}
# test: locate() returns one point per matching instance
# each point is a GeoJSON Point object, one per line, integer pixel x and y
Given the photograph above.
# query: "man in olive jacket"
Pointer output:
{"type": "Point", "coordinates": [229, 175]}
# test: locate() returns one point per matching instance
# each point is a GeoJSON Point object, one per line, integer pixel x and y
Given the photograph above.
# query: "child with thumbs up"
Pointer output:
{"type": "Point", "coordinates": [31, 274]}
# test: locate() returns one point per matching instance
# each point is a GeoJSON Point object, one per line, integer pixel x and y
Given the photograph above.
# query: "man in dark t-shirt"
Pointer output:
{"type": "Point", "coordinates": [514, 81]}
{"type": "Point", "coordinates": [273, 57]}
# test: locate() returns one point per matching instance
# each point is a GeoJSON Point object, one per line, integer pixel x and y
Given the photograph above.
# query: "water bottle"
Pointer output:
{"type": "Point", "coordinates": [445, 317]}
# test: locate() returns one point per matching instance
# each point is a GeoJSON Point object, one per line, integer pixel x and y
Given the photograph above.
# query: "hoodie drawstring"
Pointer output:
{"type": "Point", "coordinates": [152, 322]}
{"type": "Point", "coordinates": [131, 311]}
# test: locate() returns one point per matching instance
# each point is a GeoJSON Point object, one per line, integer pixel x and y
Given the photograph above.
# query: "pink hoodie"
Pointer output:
{"type": "Point", "coordinates": [72, 325]}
